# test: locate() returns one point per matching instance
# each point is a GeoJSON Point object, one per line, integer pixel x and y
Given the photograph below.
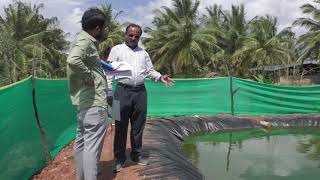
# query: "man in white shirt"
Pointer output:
{"type": "Point", "coordinates": [131, 93]}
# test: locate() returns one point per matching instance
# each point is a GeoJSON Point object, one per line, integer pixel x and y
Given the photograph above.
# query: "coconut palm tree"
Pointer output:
{"type": "Point", "coordinates": [215, 16]}
{"type": "Point", "coordinates": [309, 43]}
{"type": "Point", "coordinates": [6, 45]}
{"type": "Point", "coordinates": [178, 43]}
{"type": "Point", "coordinates": [234, 26]}
{"type": "Point", "coordinates": [247, 44]}
{"type": "Point", "coordinates": [32, 37]}
{"type": "Point", "coordinates": [263, 46]}
{"type": "Point", "coordinates": [114, 34]}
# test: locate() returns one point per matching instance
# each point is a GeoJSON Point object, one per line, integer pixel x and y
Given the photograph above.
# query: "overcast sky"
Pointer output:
{"type": "Point", "coordinates": [69, 12]}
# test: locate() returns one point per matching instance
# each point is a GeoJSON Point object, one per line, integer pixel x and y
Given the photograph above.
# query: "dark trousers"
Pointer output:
{"type": "Point", "coordinates": [133, 106]}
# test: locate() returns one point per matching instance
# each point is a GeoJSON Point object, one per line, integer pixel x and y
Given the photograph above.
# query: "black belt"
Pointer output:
{"type": "Point", "coordinates": [134, 88]}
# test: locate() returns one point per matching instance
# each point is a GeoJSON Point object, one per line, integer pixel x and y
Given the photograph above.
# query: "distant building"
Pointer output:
{"type": "Point", "coordinates": [298, 74]}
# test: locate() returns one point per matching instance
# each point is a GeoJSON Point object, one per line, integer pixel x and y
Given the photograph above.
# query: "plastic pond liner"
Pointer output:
{"type": "Point", "coordinates": [166, 139]}
{"type": "Point", "coordinates": [273, 153]}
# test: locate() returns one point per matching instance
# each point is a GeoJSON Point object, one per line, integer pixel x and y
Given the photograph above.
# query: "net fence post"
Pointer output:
{"type": "Point", "coordinates": [36, 113]}
{"type": "Point", "coordinates": [232, 96]}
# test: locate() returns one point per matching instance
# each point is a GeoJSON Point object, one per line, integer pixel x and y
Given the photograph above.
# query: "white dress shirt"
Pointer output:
{"type": "Point", "coordinates": [139, 59]}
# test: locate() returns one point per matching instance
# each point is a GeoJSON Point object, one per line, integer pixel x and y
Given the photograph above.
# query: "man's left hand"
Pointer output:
{"type": "Point", "coordinates": [167, 80]}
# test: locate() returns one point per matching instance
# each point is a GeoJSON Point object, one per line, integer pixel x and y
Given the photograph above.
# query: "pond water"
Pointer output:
{"type": "Point", "coordinates": [260, 154]}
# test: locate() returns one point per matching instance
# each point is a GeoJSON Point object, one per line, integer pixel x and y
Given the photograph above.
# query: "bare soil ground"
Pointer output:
{"type": "Point", "coordinates": [62, 167]}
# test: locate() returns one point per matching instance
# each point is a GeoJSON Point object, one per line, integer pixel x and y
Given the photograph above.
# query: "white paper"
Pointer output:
{"type": "Point", "coordinates": [122, 68]}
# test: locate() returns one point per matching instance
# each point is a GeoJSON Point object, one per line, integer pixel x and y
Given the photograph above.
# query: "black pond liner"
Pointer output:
{"type": "Point", "coordinates": [163, 139]}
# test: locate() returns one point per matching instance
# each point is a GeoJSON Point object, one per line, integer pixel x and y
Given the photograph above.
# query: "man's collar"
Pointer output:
{"type": "Point", "coordinates": [84, 33]}
{"type": "Point", "coordinates": [134, 49]}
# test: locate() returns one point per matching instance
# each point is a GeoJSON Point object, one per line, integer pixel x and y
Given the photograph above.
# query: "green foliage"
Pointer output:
{"type": "Point", "coordinates": [26, 35]}
{"type": "Point", "coordinates": [234, 26]}
{"type": "Point", "coordinates": [114, 34]}
{"type": "Point", "coordinates": [184, 44]}
{"type": "Point", "coordinates": [308, 44]}
{"type": "Point", "coordinates": [179, 44]}
{"type": "Point", "coordinates": [263, 78]}
{"type": "Point", "coordinates": [263, 46]}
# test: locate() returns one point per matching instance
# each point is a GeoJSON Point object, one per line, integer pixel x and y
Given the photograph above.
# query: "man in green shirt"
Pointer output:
{"type": "Point", "coordinates": [87, 86]}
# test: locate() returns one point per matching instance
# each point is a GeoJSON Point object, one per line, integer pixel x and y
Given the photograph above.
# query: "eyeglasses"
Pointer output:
{"type": "Point", "coordinates": [134, 36]}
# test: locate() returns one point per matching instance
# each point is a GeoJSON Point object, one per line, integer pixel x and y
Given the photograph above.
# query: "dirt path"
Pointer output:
{"type": "Point", "coordinates": [63, 165]}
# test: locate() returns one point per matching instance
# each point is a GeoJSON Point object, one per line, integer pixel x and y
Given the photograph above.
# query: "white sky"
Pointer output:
{"type": "Point", "coordinates": [69, 12]}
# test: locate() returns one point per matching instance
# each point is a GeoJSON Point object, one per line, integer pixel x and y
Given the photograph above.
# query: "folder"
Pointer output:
{"type": "Point", "coordinates": [121, 69]}
{"type": "Point", "coordinates": [114, 110]}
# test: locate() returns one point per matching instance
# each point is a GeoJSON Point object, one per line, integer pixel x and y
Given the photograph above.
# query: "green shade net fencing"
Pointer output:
{"type": "Point", "coordinates": [56, 113]}
{"type": "Point", "coordinates": [21, 151]}
{"type": "Point", "coordinates": [265, 99]}
{"type": "Point", "coordinates": [213, 96]}
{"type": "Point", "coordinates": [189, 97]}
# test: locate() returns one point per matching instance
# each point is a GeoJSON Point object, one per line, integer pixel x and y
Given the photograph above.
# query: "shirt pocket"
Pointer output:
{"type": "Point", "coordinates": [141, 63]}
{"type": "Point", "coordinates": [93, 58]}
{"type": "Point", "coordinates": [99, 83]}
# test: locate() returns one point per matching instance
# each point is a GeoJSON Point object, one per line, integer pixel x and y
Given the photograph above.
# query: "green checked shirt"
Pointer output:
{"type": "Point", "coordinates": [84, 63]}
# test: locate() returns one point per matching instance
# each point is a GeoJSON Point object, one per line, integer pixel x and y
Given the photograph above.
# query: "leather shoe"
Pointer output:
{"type": "Point", "coordinates": [140, 161]}
{"type": "Point", "coordinates": [118, 166]}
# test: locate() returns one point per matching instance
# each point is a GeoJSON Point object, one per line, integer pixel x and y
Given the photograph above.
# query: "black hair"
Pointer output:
{"type": "Point", "coordinates": [134, 25]}
{"type": "Point", "coordinates": [92, 18]}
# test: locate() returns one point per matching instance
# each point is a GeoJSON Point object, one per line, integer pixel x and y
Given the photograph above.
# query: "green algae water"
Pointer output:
{"type": "Point", "coordinates": [280, 154]}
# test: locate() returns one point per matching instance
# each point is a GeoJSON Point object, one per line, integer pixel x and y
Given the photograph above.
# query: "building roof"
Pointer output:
{"type": "Point", "coordinates": [283, 66]}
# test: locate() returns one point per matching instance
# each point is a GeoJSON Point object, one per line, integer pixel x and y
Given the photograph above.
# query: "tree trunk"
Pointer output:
{"type": "Point", "coordinates": [14, 75]}
{"type": "Point", "coordinates": [173, 68]}
{"type": "Point", "coordinates": [6, 69]}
